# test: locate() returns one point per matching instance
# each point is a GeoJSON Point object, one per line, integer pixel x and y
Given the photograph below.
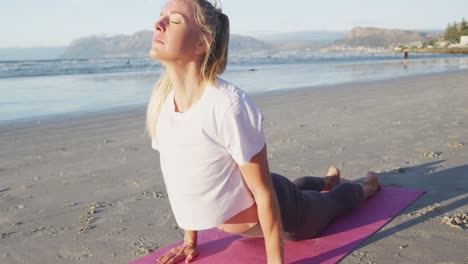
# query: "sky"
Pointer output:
{"type": "Point", "coordinates": [43, 23]}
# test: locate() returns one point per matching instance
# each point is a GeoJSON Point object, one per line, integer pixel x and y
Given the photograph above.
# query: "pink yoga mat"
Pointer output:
{"type": "Point", "coordinates": [341, 237]}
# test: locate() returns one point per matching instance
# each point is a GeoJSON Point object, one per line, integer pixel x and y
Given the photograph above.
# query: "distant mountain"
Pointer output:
{"type": "Point", "coordinates": [299, 43]}
{"type": "Point", "coordinates": [139, 43]}
{"type": "Point", "coordinates": [277, 45]}
{"type": "Point", "coordinates": [238, 43]}
{"type": "Point", "coordinates": [378, 37]}
{"type": "Point", "coordinates": [135, 45]}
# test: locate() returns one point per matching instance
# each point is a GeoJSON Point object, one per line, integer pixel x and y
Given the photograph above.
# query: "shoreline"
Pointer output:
{"type": "Point", "coordinates": [89, 189]}
{"type": "Point", "coordinates": [441, 51]}
{"type": "Point", "coordinates": [84, 114]}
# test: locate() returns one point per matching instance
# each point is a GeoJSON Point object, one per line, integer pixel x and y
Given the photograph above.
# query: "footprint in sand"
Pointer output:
{"type": "Point", "coordinates": [7, 234]}
{"type": "Point", "coordinates": [88, 218]}
{"type": "Point", "coordinates": [144, 246]}
{"type": "Point", "coordinates": [154, 194]}
{"type": "Point", "coordinates": [75, 255]}
{"type": "Point", "coordinates": [425, 210]}
{"type": "Point", "coordinates": [455, 144]}
{"type": "Point", "coordinates": [432, 154]}
{"type": "Point", "coordinates": [459, 221]}
{"type": "Point", "coordinates": [38, 230]}
{"type": "Point", "coordinates": [115, 231]}
{"type": "Point", "coordinates": [363, 256]}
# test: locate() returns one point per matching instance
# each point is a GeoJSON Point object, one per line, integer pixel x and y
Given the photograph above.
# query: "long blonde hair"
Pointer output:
{"type": "Point", "coordinates": [214, 29]}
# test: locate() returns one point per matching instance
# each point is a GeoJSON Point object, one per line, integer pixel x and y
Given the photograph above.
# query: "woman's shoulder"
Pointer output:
{"type": "Point", "coordinates": [225, 94]}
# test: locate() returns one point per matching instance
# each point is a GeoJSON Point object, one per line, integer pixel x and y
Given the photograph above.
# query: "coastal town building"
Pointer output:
{"type": "Point", "coordinates": [463, 41]}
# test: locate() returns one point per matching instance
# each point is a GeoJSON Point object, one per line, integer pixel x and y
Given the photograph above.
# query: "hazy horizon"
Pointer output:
{"type": "Point", "coordinates": [51, 23]}
{"type": "Point", "coordinates": [56, 52]}
{"type": "Point", "coordinates": [256, 34]}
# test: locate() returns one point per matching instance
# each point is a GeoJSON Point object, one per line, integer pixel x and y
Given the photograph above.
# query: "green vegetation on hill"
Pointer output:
{"type": "Point", "coordinates": [454, 31]}
{"type": "Point", "coordinates": [448, 42]}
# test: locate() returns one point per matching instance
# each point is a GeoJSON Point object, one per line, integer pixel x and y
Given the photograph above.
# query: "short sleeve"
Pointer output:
{"type": "Point", "coordinates": [242, 130]}
{"type": "Point", "coordinates": [154, 143]}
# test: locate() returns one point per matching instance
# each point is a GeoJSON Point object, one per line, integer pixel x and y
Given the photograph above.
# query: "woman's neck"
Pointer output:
{"type": "Point", "coordinates": [187, 83]}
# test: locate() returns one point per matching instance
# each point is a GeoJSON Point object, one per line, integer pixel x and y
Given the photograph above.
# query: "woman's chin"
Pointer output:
{"type": "Point", "coordinates": [153, 53]}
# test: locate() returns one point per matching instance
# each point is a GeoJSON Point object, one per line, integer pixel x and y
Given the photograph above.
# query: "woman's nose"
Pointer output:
{"type": "Point", "coordinates": [159, 25]}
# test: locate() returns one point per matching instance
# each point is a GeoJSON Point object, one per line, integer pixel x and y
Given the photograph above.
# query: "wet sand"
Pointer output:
{"type": "Point", "coordinates": [88, 189]}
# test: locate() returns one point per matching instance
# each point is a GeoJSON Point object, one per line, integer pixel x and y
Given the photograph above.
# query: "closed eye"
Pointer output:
{"type": "Point", "coordinates": [173, 17]}
{"type": "Point", "coordinates": [176, 18]}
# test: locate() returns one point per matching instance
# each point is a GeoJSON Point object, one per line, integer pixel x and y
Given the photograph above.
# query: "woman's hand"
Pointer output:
{"type": "Point", "coordinates": [187, 251]}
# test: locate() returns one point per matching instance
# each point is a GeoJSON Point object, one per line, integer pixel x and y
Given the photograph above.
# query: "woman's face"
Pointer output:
{"type": "Point", "coordinates": [176, 37]}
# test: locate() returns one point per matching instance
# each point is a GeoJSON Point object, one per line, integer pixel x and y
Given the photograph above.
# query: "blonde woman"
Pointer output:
{"type": "Point", "coordinates": [212, 147]}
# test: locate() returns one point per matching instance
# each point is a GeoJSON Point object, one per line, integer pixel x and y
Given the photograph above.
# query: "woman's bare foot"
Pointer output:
{"type": "Point", "coordinates": [332, 179]}
{"type": "Point", "coordinates": [371, 184]}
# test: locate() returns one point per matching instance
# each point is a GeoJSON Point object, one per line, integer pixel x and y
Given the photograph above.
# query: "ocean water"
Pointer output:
{"type": "Point", "coordinates": [36, 89]}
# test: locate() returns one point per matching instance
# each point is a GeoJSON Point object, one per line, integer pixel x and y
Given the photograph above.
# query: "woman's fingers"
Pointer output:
{"type": "Point", "coordinates": [193, 253]}
{"type": "Point", "coordinates": [177, 254]}
{"type": "Point", "coordinates": [164, 258]}
{"type": "Point", "coordinates": [171, 257]}
{"type": "Point", "coordinates": [189, 258]}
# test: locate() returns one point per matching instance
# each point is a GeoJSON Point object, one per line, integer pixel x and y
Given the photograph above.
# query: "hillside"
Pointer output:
{"type": "Point", "coordinates": [139, 43]}
{"type": "Point", "coordinates": [284, 45]}
{"type": "Point", "coordinates": [382, 38]}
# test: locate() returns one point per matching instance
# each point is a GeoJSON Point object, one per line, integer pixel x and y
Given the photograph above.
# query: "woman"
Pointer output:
{"type": "Point", "coordinates": [212, 147]}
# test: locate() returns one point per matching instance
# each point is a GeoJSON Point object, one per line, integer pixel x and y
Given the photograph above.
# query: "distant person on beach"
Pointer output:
{"type": "Point", "coordinates": [405, 59]}
{"type": "Point", "coordinates": [213, 152]}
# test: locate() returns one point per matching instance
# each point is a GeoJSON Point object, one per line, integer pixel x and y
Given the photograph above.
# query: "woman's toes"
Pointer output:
{"type": "Point", "coordinates": [333, 171]}
{"type": "Point", "coordinates": [373, 180]}
{"type": "Point", "coordinates": [333, 178]}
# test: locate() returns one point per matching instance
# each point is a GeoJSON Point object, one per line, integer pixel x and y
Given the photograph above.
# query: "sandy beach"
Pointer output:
{"type": "Point", "coordinates": [88, 189]}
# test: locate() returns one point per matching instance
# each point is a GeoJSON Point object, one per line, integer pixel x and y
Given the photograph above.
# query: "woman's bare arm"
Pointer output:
{"type": "Point", "coordinates": [257, 177]}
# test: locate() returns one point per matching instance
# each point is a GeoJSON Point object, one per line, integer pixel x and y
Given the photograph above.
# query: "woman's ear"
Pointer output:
{"type": "Point", "coordinates": [203, 45]}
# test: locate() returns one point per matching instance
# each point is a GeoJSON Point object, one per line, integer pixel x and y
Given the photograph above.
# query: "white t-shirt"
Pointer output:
{"type": "Point", "coordinates": [200, 150]}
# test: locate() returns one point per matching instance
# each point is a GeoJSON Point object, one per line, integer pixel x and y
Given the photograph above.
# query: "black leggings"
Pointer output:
{"type": "Point", "coordinates": [305, 211]}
